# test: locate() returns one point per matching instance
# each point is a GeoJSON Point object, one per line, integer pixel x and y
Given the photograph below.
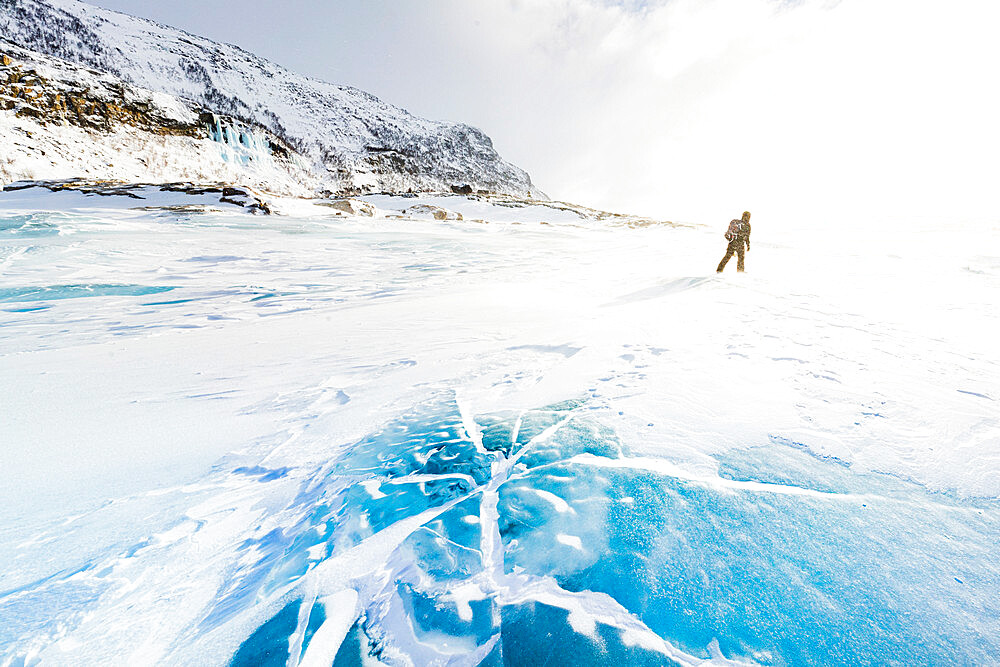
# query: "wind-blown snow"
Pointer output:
{"type": "Point", "coordinates": [491, 440]}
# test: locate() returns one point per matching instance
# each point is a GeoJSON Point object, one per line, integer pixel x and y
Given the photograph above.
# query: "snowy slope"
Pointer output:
{"type": "Point", "coordinates": [355, 141]}
{"type": "Point", "coordinates": [59, 120]}
{"type": "Point", "coordinates": [519, 436]}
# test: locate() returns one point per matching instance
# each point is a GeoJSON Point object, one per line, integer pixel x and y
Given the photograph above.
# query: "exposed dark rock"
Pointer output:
{"type": "Point", "coordinates": [19, 185]}
{"type": "Point", "coordinates": [240, 197]}
{"type": "Point", "coordinates": [100, 104]}
{"type": "Point", "coordinates": [278, 150]}
{"type": "Point", "coordinates": [190, 188]}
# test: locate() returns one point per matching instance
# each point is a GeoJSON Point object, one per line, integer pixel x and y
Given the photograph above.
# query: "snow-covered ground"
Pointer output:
{"type": "Point", "coordinates": [522, 436]}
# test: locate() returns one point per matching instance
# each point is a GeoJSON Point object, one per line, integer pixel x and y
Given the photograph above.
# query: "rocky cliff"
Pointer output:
{"type": "Point", "coordinates": [352, 141]}
{"type": "Point", "coordinates": [59, 120]}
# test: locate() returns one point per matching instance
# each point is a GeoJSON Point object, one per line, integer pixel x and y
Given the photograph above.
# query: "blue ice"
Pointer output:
{"type": "Point", "coordinates": [56, 292]}
{"type": "Point", "coordinates": [865, 569]}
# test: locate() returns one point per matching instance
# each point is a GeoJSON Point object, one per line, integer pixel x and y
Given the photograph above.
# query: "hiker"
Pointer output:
{"type": "Point", "coordinates": [738, 236]}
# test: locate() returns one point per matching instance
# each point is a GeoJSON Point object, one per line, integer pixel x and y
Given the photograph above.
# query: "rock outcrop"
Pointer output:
{"type": "Point", "coordinates": [352, 207]}
{"type": "Point", "coordinates": [59, 93]}
{"type": "Point", "coordinates": [59, 120]}
{"type": "Point", "coordinates": [189, 197]}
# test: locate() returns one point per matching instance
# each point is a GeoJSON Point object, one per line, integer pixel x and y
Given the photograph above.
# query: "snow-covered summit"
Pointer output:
{"type": "Point", "coordinates": [354, 141]}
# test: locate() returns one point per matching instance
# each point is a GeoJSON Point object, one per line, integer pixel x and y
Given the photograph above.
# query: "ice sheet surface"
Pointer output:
{"type": "Point", "coordinates": [235, 439]}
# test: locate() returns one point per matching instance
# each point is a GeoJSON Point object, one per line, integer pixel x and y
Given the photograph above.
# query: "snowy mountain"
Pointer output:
{"type": "Point", "coordinates": [352, 141]}
{"type": "Point", "coordinates": [59, 120]}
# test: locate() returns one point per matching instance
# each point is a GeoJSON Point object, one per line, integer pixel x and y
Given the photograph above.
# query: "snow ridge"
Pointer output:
{"type": "Point", "coordinates": [355, 142]}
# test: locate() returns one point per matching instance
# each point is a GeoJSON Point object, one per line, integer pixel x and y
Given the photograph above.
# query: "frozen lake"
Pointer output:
{"type": "Point", "coordinates": [519, 438]}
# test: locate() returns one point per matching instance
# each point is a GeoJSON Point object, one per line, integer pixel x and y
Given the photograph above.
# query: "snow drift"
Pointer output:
{"type": "Point", "coordinates": [530, 433]}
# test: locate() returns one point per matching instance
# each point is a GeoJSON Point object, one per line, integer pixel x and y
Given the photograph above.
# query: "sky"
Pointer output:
{"type": "Point", "coordinates": [836, 112]}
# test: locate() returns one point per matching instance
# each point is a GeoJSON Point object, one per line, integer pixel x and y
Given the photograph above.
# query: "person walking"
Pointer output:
{"type": "Point", "coordinates": [738, 236]}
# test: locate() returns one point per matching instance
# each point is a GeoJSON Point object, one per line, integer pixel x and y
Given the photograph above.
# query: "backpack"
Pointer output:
{"type": "Point", "coordinates": [734, 230]}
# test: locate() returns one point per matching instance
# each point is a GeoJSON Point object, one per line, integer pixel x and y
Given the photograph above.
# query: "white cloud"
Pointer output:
{"type": "Point", "coordinates": [813, 112]}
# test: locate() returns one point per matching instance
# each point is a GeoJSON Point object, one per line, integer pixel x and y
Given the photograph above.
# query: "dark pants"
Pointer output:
{"type": "Point", "coordinates": [734, 247]}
